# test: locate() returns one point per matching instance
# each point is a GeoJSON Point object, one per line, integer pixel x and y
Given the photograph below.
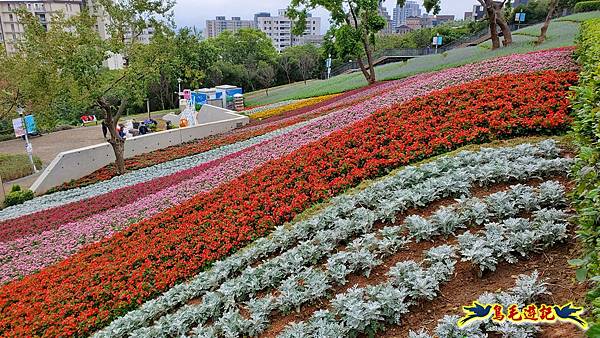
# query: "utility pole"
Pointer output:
{"type": "Point", "coordinates": [328, 64]}
{"type": "Point", "coordinates": [28, 146]}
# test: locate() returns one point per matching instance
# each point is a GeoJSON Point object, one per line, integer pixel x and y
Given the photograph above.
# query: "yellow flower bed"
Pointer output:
{"type": "Point", "coordinates": [279, 110]}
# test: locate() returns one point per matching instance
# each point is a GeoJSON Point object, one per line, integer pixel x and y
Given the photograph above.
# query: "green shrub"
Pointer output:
{"type": "Point", "coordinates": [6, 137]}
{"type": "Point", "coordinates": [586, 197]}
{"type": "Point", "coordinates": [587, 6]}
{"type": "Point", "coordinates": [17, 196]}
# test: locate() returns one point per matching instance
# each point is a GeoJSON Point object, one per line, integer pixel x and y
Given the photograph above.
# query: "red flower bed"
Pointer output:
{"type": "Point", "coordinates": [106, 279]}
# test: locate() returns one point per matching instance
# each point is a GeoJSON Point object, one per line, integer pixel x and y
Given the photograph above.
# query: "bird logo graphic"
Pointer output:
{"type": "Point", "coordinates": [571, 313]}
{"type": "Point", "coordinates": [530, 314]}
{"type": "Point", "coordinates": [475, 312]}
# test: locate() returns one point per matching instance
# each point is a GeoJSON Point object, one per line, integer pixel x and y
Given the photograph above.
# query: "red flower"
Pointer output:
{"type": "Point", "coordinates": [82, 293]}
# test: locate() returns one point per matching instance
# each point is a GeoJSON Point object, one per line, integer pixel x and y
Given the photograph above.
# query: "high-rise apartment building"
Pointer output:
{"type": "Point", "coordinates": [279, 29]}
{"type": "Point", "coordinates": [382, 11]}
{"type": "Point", "coordinates": [401, 13]}
{"type": "Point", "coordinates": [221, 24]}
{"type": "Point", "coordinates": [11, 29]}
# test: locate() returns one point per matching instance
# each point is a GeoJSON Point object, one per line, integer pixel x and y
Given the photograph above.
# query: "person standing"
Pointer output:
{"type": "Point", "coordinates": [104, 129]}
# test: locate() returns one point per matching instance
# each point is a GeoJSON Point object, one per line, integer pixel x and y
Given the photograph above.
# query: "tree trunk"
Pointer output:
{"type": "Point", "coordinates": [507, 34]}
{"type": "Point", "coordinates": [363, 69]}
{"type": "Point", "coordinates": [551, 10]}
{"type": "Point", "coordinates": [371, 76]}
{"type": "Point", "coordinates": [491, 13]}
{"type": "Point", "coordinates": [370, 73]}
{"type": "Point", "coordinates": [117, 143]}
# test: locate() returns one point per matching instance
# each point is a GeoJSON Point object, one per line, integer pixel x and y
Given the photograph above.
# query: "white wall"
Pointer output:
{"type": "Point", "coordinates": [74, 164]}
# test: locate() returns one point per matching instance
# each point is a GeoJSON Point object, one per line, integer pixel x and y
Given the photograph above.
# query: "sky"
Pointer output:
{"type": "Point", "coordinates": [195, 12]}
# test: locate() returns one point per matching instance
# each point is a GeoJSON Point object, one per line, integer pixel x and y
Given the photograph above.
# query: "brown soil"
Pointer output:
{"type": "Point", "coordinates": [466, 286]}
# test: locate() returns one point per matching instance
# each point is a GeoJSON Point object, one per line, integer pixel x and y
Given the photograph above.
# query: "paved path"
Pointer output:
{"type": "Point", "coordinates": [46, 147]}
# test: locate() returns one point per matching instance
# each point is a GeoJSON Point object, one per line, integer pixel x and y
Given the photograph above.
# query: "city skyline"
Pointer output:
{"type": "Point", "coordinates": [190, 13]}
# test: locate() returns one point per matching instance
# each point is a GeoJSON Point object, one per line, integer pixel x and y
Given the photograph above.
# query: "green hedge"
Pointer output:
{"type": "Point", "coordinates": [17, 196]}
{"type": "Point", "coordinates": [587, 6]}
{"type": "Point", "coordinates": [586, 111]}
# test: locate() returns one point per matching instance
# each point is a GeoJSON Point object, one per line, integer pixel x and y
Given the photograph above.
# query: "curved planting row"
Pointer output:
{"type": "Point", "coordinates": [27, 254]}
{"type": "Point", "coordinates": [347, 216]}
{"type": "Point", "coordinates": [277, 109]}
{"type": "Point", "coordinates": [45, 244]}
{"type": "Point", "coordinates": [546, 228]}
{"type": "Point", "coordinates": [361, 255]}
{"type": "Point", "coordinates": [394, 92]}
{"type": "Point", "coordinates": [378, 96]}
{"type": "Point", "coordinates": [109, 277]}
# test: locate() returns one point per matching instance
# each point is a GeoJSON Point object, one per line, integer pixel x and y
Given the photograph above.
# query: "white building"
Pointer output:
{"type": "Point", "coordinates": [11, 30]}
{"type": "Point", "coordinates": [401, 13]}
{"type": "Point", "coordinates": [279, 29]}
{"type": "Point", "coordinates": [382, 11]}
{"type": "Point", "coordinates": [221, 24]}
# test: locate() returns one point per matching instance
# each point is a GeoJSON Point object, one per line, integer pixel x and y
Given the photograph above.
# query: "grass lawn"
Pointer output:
{"type": "Point", "coordinates": [16, 166]}
{"type": "Point", "coordinates": [562, 32]}
{"type": "Point", "coordinates": [144, 116]}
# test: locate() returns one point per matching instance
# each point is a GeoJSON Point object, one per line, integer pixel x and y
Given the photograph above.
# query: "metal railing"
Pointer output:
{"type": "Point", "coordinates": [380, 56]}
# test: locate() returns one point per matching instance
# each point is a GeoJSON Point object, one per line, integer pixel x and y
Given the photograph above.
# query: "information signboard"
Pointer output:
{"type": "Point", "coordinates": [18, 127]}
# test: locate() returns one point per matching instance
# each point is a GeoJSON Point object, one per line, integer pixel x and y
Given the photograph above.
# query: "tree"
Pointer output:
{"type": "Point", "coordinates": [164, 49]}
{"type": "Point", "coordinates": [128, 20]}
{"type": "Point", "coordinates": [307, 57]}
{"type": "Point", "coordinates": [286, 63]}
{"type": "Point", "coordinates": [354, 26]}
{"type": "Point", "coordinates": [71, 55]}
{"type": "Point", "coordinates": [30, 81]}
{"type": "Point", "coordinates": [553, 7]}
{"type": "Point", "coordinates": [240, 53]}
{"type": "Point", "coordinates": [194, 56]}
{"type": "Point", "coordinates": [265, 75]}
{"type": "Point", "coordinates": [493, 10]}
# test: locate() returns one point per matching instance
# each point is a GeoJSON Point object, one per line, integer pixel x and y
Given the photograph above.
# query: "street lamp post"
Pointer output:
{"type": "Point", "coordinates": [328, 65]}
{"type": "Point", "coordinates": [28, 146]}
{"type": "Point", "coordinates": [179, 80]}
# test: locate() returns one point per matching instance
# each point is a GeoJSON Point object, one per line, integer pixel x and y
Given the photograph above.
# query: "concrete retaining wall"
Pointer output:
{"type": "Point", "coordinates": [75, 164]}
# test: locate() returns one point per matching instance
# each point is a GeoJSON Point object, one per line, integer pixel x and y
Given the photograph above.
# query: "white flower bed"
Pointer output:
{"type": "Point", "coordinates": [139, 176]}
{"type": "Point", "coordinates": [344, 219]}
